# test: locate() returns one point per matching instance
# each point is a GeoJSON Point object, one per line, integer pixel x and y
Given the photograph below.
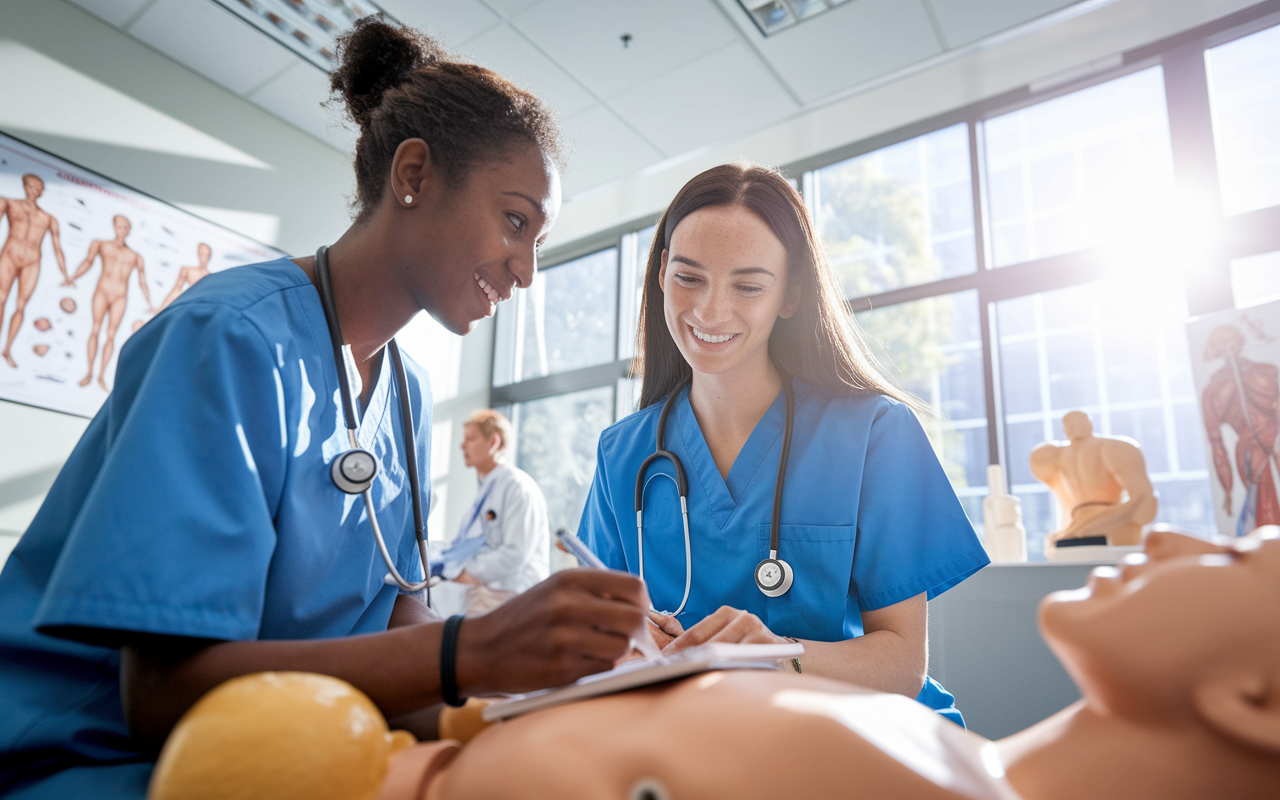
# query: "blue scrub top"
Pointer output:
{"type": "Point", "coordinates": [869, 518]}
{"type": "Point", "coordinates": [198, 503]}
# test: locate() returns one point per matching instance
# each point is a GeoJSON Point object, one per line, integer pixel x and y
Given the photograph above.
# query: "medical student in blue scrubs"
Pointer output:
{"type": "Point", "coordinates": [195, 534]}
{"type": "Point", "coordinates": [739, 297]}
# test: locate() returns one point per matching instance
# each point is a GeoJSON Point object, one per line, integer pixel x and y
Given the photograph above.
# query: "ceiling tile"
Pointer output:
{"type": "Point", "coordinates": [603, 148]}
{"type": "Point", "coordinates": [454, 20]}
{"type": "Point", "coordinates": [677, 113]}
{"type": "Point", "coordinates": [117, 12]}
{"type": "Point", "coordinates": [506, 52]}
{"type": "Point", "coordinates": [295, 96]}
{"type": "Point", "coordinates": [213, 42]}
{"type": "Point", "coordinates": [584, 37]}
{"type": "Point", "coordinates": [965, 21]}
{"type": "Point", "coordinates": [509, 8]}
{"type": "Point", "coordinates": [850, 44]}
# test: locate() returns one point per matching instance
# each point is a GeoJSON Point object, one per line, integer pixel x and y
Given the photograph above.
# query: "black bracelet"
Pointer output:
{"type": "Point", "coordinates": [448, 659]}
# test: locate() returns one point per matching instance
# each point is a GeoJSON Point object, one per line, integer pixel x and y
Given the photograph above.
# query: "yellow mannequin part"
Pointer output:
{"type": "Point", "coordinates": [310, 736]}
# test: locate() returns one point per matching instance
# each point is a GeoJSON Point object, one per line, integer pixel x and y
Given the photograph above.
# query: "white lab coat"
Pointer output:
{"type": "Point", "coordinates": [513, 519]}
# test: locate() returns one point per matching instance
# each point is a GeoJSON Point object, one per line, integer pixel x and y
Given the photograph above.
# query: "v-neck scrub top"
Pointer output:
{"type": "Point", "coordinates": [198, 503]}
{"type": "Point", "coordinates": [869, 518]}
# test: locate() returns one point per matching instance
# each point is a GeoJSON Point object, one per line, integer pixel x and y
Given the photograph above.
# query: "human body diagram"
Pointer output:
{"type": "Point", "coordinates": [189, 276]}
{"type": "Point", "coordinates": [1243, 395]}
{"type": "Point", "coordinates": [111, 297]}
{"type": "Point", "coordinates": [20, 255]}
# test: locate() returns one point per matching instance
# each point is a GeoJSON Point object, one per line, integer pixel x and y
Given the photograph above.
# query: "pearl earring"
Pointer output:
{"type": "Point", "coordinates": [408, 199]}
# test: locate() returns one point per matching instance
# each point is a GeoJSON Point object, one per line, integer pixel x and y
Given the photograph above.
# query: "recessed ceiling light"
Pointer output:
{"type": "Point", "coordinates": [771, 16]}
{"type": "Point", "coordinates": [309, 28]}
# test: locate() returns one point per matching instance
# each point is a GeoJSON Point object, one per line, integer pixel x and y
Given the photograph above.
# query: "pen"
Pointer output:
{"type": "Point", "coordinates": [645, 644]}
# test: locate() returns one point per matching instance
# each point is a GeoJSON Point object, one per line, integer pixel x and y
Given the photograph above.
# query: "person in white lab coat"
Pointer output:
{"type": "Point", "coordinates": [503, 541]}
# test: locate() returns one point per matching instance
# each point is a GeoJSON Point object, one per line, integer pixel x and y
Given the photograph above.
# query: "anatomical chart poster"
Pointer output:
{"type": "Point", "coordinates": [85, 263]}
{"type": "Point", "coordinates": [1235, 358]}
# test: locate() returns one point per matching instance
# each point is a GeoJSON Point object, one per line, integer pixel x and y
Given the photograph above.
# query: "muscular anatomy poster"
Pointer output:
{"type": "Point", "coordinates": [1235, 357]}
{"type": "Point", "coordinates": [84, 263]}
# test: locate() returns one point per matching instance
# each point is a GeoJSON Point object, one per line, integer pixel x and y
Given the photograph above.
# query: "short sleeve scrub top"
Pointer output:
{"type": "Point", "coordinates": [869, 518]}
{"type": "Point", "coordinates": [199, 504]}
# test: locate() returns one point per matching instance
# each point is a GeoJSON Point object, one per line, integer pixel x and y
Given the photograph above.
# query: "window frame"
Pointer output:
{"type": "Point", "coordinates": [1209, 289]}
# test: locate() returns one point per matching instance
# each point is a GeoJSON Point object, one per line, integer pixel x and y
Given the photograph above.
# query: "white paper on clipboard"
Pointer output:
{"type": "Point", "coordinates": [637, 673]}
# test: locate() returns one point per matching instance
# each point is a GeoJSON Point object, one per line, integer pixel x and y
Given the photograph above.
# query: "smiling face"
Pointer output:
{"type": "Point", "coordinates": [724, 284]}
{"type": "Point", "coordinates": [1140, 638]}
{"type": "Point", "coordinates": [480, 238]}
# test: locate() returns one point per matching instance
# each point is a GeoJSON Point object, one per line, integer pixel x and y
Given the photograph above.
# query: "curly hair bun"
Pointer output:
{"type": "Point", "coordinates": [374, 56]}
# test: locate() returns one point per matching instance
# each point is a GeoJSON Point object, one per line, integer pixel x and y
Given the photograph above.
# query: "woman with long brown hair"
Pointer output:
{"type": "Point", "coordinates": [807, 502]}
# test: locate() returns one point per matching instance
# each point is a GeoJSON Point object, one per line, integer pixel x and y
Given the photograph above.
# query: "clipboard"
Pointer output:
{"type": "Point", "coordinates": [642, 672]}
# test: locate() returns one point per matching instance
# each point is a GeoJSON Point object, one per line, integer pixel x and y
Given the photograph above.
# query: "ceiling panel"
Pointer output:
{"type": "Point", "coordinates": [677, 113]}
{"type": "Point", "coordinates": [584, 37]}
{"type": "Point", "coordinates": [510, 8]}
{"type": "Point", "coordinates": [603, 148]}
{"type": "Point", "coordinates": [850, 44]}
{"type": "Point", "coordinates": [454, 20]}
{"type": "Point", "coordinates": [213, 42]}
{"type": "Point", "coordinates": [117, 12]}
{"type": "Point", "coordinates": [295, 96]}
{"type": "Point", "coordinates": [506, 52]}
{"type": "Point", "coordinates": [965, 21]}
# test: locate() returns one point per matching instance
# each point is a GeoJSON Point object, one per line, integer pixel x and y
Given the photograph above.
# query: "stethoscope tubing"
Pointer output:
{"type": "Point", "coordinates": [393, 577]}
{"type": "Point", "coordinates": [682, 485]}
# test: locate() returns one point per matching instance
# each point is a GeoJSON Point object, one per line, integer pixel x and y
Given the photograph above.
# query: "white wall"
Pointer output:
{"type": "Point", "coordinates": [81, 89]}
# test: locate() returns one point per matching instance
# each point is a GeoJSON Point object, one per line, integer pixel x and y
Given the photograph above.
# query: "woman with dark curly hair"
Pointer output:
{"type": "Point", "coordinates": [196, 533]}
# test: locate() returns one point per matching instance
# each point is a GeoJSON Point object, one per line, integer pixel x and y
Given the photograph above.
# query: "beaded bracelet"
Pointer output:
{"type": "Point", "coordinates": [795, 662]}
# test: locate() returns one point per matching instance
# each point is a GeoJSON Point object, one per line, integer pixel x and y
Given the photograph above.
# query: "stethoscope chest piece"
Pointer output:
{"type": "Point", "coordinates": [354, 471]}
{"type": "Point", "coordinates": [774, 576]}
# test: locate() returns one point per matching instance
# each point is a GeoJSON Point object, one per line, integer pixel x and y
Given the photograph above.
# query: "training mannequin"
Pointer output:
{"type": "Point", "coordinates": [1090, 476]}
{"type": "Point", "coordinates": [1164, 715]}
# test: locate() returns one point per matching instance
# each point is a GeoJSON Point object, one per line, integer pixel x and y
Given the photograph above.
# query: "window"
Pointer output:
{"type": "Point", "coordinates": [898, 216]}
{"type": "Point", "coordinates": [556, 444]}
{"type": "Point", "coordinates": [1052, 296]}
{"type": "Point", "coordinates": [1117, 351]}
{"type": "Point", "coordinates": [565, 320]}
{"type": "Point", "coordinates": [1255, 279]}
{"type": "Point", "coordinates": [1073, 172]}
{"type": "Point", "coordinates": [1244, 89]}
{"type": "Point", "coordinates": [933, 349]}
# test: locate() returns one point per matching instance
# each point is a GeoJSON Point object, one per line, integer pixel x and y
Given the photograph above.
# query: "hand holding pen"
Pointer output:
{"type": "Point", "coordinates": [575, 547]}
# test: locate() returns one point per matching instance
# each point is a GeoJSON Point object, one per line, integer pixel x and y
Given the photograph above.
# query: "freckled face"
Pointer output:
{"type": "Point", "coordinates": [724, 284]}
{"type": "Point", "coordinates": [481, 237]}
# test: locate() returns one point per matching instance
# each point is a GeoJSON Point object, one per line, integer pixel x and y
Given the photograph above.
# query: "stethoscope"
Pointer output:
{"type": "Point", "coordinates": [773, 575]}
{"type": "Point", "coordinates": [353, 471]}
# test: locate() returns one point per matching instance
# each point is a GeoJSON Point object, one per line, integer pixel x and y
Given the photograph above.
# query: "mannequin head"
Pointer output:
{"type": "Point", "coordinates": [1076, 425]}
{"type": "Point", "coordinates": [1187, 635]}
